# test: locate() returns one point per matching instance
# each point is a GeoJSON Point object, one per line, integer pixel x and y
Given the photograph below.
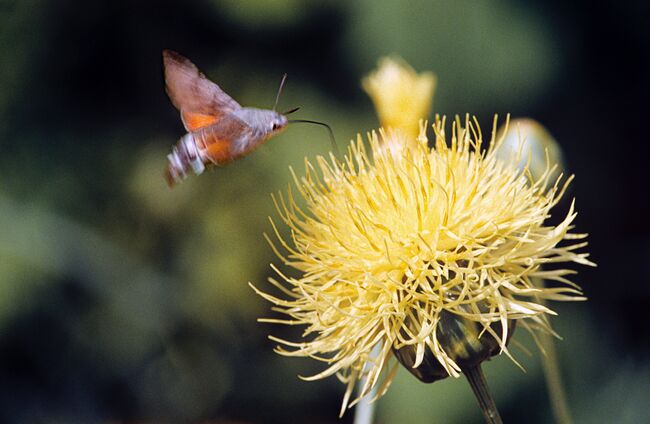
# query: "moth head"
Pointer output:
{"type": "Point", "coordinates": [278, 122]}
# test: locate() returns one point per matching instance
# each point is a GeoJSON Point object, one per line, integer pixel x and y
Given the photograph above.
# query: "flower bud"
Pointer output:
{"type": "Point", "coordinates": [459, 338]}
{"type": "Point", "coordinates": [401, 96]}
{"type": "Point", "coordinates": [537, 144]}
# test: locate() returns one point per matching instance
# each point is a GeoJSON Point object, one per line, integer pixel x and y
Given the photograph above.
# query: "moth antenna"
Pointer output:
{"type": "Point", "coordinates": [291, 110]}
{"type": "Point", "coordinates": [277, 96]}
{"type": "Point", "coordinates": [329, 129]}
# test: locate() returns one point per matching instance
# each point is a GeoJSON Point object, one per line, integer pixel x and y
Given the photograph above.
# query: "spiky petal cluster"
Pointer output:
{"type": "Point", "coordinates": [386, 242]}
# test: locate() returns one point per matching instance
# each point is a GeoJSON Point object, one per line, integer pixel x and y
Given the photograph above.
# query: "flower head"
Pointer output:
{"type": "Point", "coordinates": [389, 246]}
{"type": "Point", "coordinates": [402, 97]}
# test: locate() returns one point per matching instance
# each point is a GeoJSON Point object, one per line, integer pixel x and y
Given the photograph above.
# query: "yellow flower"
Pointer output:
{"type": "Point", "coordinates": [401, 96]}
{"type": "Point", "coordinates": [388, 245]}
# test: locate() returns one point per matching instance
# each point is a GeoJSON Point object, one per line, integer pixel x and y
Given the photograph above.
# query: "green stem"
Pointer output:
{"type": "Point", "coordinates": [553, 376]}
{"type": "Point", "coordinates": [480, 388]}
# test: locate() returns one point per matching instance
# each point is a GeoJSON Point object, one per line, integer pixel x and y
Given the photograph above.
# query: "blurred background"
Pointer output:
{"type": "Point", "coordinates": [124, 301]}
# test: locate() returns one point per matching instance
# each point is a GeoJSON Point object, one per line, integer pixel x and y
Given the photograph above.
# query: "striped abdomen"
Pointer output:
{"type": "Point", "coordinates": [185, 155]}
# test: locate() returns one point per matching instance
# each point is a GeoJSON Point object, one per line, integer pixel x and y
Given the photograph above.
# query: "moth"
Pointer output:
{"type": "Point", "coordinates": [219, 130]}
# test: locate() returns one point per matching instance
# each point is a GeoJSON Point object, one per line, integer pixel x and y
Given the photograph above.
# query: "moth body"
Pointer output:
{"type": "Point", "coordinates": [234, 136]}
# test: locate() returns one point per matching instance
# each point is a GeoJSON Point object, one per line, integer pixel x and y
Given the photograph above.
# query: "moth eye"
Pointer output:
{"type": "Point", "coordinates": [274, 126]}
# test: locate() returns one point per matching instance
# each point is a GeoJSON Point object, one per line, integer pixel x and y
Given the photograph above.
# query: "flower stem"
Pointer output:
{"type": "Point", "coordinates": [480, 388]}
{"type": "Point", "coordinates": [364, 412]}
{"type": "Point", "coordinates": [553, 376]}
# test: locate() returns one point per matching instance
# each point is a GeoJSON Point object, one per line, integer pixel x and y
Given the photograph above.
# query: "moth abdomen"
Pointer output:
{"type": "Point", "coordinates": [185, 155]}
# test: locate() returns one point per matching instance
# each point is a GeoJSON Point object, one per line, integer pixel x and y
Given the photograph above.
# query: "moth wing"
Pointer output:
{"type": "Point", "coordinates": [229, 139]}
{"type": "Point", "coordinates": [200, 101]}
{"type": "Point", "coordinates": [193, 121]}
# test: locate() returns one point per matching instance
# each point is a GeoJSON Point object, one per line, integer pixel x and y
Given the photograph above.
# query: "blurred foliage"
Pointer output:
{"type": "Point", "coordinates": [123, 300]}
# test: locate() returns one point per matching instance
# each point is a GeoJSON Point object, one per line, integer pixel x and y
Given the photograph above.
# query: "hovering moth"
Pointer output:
{"type": "Point", "coordinates": [219, 130]}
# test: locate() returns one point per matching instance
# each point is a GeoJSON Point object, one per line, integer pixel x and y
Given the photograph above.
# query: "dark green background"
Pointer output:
{"type": "Point", "coordinates": [122, 300]}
